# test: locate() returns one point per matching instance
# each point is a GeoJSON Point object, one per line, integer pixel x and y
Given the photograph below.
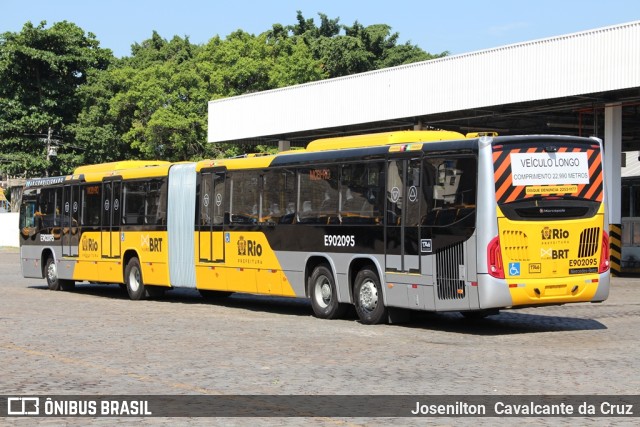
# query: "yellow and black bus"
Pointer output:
{"type": "Point", "coordinates": [391, 222]}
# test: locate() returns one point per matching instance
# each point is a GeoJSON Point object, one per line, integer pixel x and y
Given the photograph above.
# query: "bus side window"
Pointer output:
{"type": "Point", "coordinates": [91, 204]}
{"type": "Point", "coordinates": [134, 194]}
{"type": "Point", "coordinates": [47, 209]}
{"type": "Point", "coordinates": [360, 188]}
{"type": "Point", "coordinates": [278, 198]}
{"type": "Point", "coordinates": [59, 208]}
{"type": "Point", "coordinates": [466, 194]}
{"type": "Point", "coordinates": [156, 206]}
{"type": "Point", "coordinates": [245, 198]}
{"type": "Point", "coordinates": [450, 191]}
{"type": "Point", "coordinates": [28, 214]}
{"type": "Point", "coordinates": [318, 195]}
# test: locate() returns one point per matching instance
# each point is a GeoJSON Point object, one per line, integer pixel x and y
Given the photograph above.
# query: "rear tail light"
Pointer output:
{"type": "Point", "coordinates": [494, 259]}
{"type": "Point", "coordinates": [604, 253]}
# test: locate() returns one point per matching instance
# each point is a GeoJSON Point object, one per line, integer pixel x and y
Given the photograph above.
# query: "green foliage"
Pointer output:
{"type": "Point", "coordinates": [359, 49]}
{"type": "Point", "coordinates": [153, 104]}
{"type": "Point", "coordinates": [41, 70]}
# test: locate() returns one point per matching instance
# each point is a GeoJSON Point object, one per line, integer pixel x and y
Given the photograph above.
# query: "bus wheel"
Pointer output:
{"type": "Point", "coordinates": [53, 281]}
{"type": "Point", "coordinates": [324, 295]}
{"type": "Point", "coordinates": [51, 272]}
{"type": "Point", "coordinates": [133, 279]}
{"type": "Point", "coordinates": [368, 298]}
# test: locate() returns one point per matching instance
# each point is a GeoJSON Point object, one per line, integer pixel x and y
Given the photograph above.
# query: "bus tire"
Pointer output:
{"type": "Point", "coordinates": [133, 280]}
{"type": "Point", "coordinates": [54, 282]}
{"type": "Point", "coordinates": [51, 274]}
{"type": "Point", "coordinates": [324, 294]}
{"type": "Point", "coordinates": [368, 298]}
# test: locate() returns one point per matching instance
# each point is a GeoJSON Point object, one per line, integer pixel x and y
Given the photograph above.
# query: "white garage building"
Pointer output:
{"type": "Point", "coordinates": [585, 83]}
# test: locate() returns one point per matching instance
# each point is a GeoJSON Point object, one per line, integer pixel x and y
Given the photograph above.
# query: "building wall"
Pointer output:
{"type": "Point", "coordinates": [9, 232]}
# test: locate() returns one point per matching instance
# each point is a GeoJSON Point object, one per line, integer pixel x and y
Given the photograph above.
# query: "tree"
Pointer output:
{"type": "Point", "coordinates": [359, 49]}
{"type": "Point", "coordinates": [41, 70]}
{"type": "Point", "coordinates": [59, 84]}
{"type": "Point", "coordinates": [291, 60]}
{"type": "Point", "coordinates": [96, 129]}
{"type": "Point", "coordinates": [150, 105]}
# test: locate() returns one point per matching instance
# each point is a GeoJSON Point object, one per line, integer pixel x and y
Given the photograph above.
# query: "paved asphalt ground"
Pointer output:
{"type": "Point", "coordinates": [95, 341]}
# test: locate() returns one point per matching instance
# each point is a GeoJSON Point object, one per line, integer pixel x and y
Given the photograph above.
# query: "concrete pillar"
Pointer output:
{"type": "Point", "coordinates": [612, 169]}
{"type": "Point", "coordinates": [284, 145]}
{"type": "Point", "coordinates": [612, 158]}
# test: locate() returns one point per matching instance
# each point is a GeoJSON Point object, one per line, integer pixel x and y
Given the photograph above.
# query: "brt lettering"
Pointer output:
{"type": "Point", "coordinates": [560, 254]}
{"type": "Point", "coordinates": [155, 244]}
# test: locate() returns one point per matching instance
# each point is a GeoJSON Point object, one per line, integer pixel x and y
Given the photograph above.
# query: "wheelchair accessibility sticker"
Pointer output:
{"type": "Point", "coordinates": [514, 268]}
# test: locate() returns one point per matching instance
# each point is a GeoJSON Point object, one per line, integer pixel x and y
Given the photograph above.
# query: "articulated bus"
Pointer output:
{"type": "Point", "coordinates": [388, 223]}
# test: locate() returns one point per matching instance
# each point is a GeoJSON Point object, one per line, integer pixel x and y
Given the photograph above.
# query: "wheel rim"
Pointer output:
{"type": "Point", "coordinates": [134, 279]}
{"type": "Point", "coordinates": [368, 296]}
{"type": "Point", "coordinates": [323, 291]}
{"type": "Point", "coordinates": [52, 273]}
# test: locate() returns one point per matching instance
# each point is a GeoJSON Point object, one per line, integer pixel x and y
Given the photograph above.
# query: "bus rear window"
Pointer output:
{"type": "Point", "coordinates": [547, 172]}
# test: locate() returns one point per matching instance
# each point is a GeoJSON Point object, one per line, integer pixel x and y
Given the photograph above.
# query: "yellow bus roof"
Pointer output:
{"type": "Point", "coordinates": [337, 143]}
{"type": "Point", "coordinates": [153, 168]}
{"type": "Point", "coordinates": [387, 138]}
{"type": "Point", "coordinates": [249, 162]}
{"type": "Point", "coordinates": [121, 165]}
{"type": "Point", "coordinates": [126, 169]}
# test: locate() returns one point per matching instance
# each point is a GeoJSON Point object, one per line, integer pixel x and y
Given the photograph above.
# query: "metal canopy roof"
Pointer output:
{"type": "Point", "coordinates": [554, 85]}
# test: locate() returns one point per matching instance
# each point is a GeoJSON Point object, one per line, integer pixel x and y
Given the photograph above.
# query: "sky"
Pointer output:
{"type": "Point", "coordinates": [456, 26]}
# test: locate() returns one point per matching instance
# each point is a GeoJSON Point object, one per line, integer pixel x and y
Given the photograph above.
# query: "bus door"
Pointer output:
{"type": "Point", "coordinates": [70, 219]}
{"type": "Point", "coordinates": [211, 216]}
{"type": "Point", "coordinates": [111, 215]}
{"type": "Point", "coordinates": [449, 226]}
{"type": "Point", "coordinates": [403, 202]}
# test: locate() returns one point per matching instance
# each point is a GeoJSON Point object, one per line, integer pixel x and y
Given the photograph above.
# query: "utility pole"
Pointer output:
{"type": "Point", "coordinates": [46, 171]}
{"type": "Point", "coordinates": [52, 150]}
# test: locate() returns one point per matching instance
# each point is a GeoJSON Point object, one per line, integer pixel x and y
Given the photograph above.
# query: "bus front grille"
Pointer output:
{"type": "Point", "coordinates": [449, 262]}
